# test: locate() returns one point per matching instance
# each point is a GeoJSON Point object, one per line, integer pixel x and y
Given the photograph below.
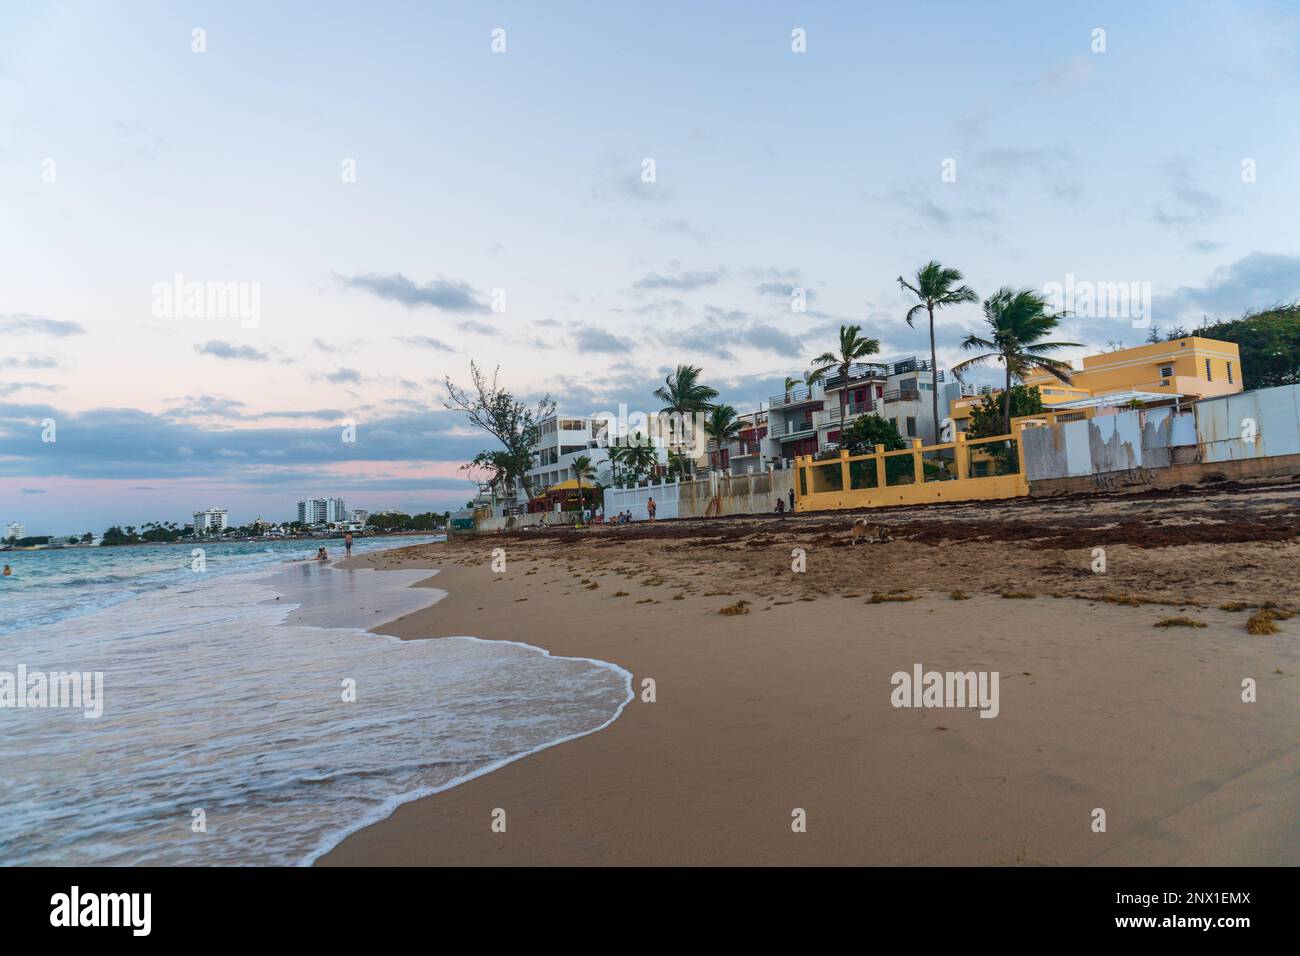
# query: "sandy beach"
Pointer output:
{"type": "Point", "coordinates": [785, 706]}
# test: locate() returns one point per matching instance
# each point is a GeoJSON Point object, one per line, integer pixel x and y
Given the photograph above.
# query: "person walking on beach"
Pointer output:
{"type": "Point", "coordinates": [650, 509]}
{"type": "Point", "coordinates": [791, 499]}
{"type": "Point", "coordinates": [347, 543]}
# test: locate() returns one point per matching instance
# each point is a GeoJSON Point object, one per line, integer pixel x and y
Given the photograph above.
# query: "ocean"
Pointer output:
{"type": "Point", "coordinates": [248, 716]}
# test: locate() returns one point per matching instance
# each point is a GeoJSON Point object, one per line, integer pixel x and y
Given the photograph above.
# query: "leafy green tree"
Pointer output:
{"type": "Point", "coordinates": [1269, 343]}
{"type": "Point", "coordinates": [986, 417]}
{"type": "Point", "coordinates": [513, 423]}
{"type": "Point", "coordinates": [1018, 321]}
{"type": "Point", "coordinates": [935, 286]}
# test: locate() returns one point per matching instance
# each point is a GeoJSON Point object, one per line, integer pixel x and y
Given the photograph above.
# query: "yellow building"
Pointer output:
{"type": "Point", "coordinates": [1053, 393]}
{"type": "Point", "coordinates": [1192, 367]}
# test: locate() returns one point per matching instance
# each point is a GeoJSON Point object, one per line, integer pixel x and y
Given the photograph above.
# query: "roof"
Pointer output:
{"type": "Point", "coordinates": [570, 485]}
{"type": "Point", "coordinates": [1114, 398]}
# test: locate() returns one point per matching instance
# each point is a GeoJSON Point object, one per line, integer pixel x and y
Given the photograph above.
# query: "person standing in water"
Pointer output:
{"type": "Point", "coordinates": [8, 571]}
{"type": "Point", "coordinates": [347, 543]}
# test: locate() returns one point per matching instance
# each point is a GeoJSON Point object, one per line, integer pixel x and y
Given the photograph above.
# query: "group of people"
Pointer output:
{"type": "Point", "coordinates": [780, 504]}
{"type": "Point", "coordinates": [625, 517]}
{"type": "Point", "coordinates": [321, 554]}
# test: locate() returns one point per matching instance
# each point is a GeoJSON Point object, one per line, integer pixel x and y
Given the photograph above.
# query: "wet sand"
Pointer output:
{"type": "Point", "coordinates": [786, 706]}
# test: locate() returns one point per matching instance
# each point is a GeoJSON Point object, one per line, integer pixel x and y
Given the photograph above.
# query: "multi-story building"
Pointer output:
{"type": "Point", "coordinates": [1189, 368]}
{"type": "Point", "coordinates": [358, 515]}
{"type": "Point", "coordinates": [792, 418]}
{"type": "Point", "coordinates": [561, 439]}
{"type": "Point", "coordinates": [318, 511]}
{"type": "Point", "coordinates": [755, 449]}
{"type": "Point", "coordinates": [1192, 367]}
{"type": "Point", "coordinates": [14, 529]}
{"type": "Point", "coordinates": [899, 391]}
{"type": "Point", "coordinates": [211, 521]}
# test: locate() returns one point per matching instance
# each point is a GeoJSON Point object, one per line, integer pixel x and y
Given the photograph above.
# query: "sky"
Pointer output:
{"type": "Point", "coordinates": [396, 189]}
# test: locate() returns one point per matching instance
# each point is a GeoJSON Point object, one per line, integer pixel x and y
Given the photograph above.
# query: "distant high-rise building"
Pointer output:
{"type": "Point", "coordinates": [212, 520]}
{"type": "Point", "coordinates": [14, 530]}
{"type": "Point", "coordinates": [314, 511]}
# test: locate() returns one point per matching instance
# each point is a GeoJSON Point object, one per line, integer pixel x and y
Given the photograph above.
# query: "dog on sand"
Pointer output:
{"type": "Point", "coordinates": [870, 533]}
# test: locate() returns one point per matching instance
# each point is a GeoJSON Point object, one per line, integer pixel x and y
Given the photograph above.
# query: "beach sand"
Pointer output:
{"type": "Point", "coordinates": [788, 707]}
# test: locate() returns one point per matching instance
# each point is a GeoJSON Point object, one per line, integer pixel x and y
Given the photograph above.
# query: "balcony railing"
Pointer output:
{"type": "Point", "coordinates": [797, 427]}
{"type": "Point", "coordinates": [842, 413]}
{"type": "Point", "coordinates": [743, 449]}
{"type": "Point", "coordinates": [793, 397]}
{"type": "Point", "coordinates": [902, 395]}
{"type": "Point", "coordinates": [862, 372]}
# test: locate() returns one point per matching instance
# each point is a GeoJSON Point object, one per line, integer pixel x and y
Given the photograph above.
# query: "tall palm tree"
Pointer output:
{"type": "Point", "coordinates": [683, 394]}
{"type": "Point", "coordinates": [935, 287]}
{"type": "Point", "coordinates": [582, 468]}
{"type": "Point", "coordinates": [852, 347]}
{"type": "Point", "coordinates": [790, 385]}
{"type": "Point", "coordinates": [1018, 321]}
{"type": "Point", "coordinates": [721, 426]}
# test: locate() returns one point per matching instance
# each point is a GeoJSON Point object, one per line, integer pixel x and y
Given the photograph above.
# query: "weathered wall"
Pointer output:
{"type": "Point", "coordinates": [1107, 443]}
{"type": "Point", "coordinates": [1177, 474]}
{"type": "Point", "coordinates": [1250, 425]}
{"type": "Point", "coordinates": [736, 494]}
{"type": "Point", "coordinates": [493, 525]}
{"type": "Point", "coordinates": [1271, 416]}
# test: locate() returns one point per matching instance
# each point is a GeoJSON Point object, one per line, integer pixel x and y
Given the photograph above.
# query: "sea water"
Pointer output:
{"type": "Point", "coordinates": [248, 715]}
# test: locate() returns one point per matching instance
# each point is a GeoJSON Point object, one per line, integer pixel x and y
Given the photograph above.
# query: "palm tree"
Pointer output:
{"type": "Point", "coordinates": [582, 468]}
{"type": "Point", "coordinates": [935, 288]}
{"type": "Point", "coordinates": [722, 426]}
{"type": "Point", "coordinates": [790, 385]}
{"type": "Point", "coordinates": [852, 347]}
{"type": "Point", "coordinates": [1017, 320]}
{"type": "Point", "coordinates": [637, 458]}
{"type": "Point", "coordinates": [682, 393]}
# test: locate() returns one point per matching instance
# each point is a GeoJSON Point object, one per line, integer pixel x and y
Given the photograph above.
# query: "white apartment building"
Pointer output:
{"type": "Point", "coordinates": [317, 511]}
{"type": "Point", "coordinates": [755, 448]}
{"type": "Point", "coordinates": [359, 516]}
{"type": "Point", "coordinates": [14, 529]}
{"type": "Point", "coordinates": [214, 520]}
{"type": "Point", "coordinates": [561, 439]}
{"type": "Point", "coordinates": [898, 391]}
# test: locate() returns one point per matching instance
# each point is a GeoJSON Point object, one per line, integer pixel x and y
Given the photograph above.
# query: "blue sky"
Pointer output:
{"type": "Point", "coordinates": [521, 172]}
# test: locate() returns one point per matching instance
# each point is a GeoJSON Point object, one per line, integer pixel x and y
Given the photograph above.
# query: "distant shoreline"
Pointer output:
{"type": "Point", "coordinates": [322, 536]}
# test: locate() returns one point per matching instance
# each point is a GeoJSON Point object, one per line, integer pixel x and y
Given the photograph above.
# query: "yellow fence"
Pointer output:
{"type": "Point", "coordinates": [983, 468]}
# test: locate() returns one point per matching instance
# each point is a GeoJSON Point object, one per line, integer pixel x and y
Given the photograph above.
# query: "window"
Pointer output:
{"type": "Point", "coordinates": [573, 425]}
{"type": "Point", "coordinates": [1229, 373]}
{"type": "Point", "coordinates": [1209, 374]}
{"type": "Point", "coordinates": [911, 427]}
{"type": "Point", "coordinates": [1166, 371]}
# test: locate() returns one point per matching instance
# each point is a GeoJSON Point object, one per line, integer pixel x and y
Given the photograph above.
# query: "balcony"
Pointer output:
{"type": "Point", "coordinates": [792, 429]}
{"type": "Point", "coordinates": [801, 395]}
{"type": "Point", "coordinates": [744, 449]}
{"type": "Point", "coordinates": [902, 395]}
{"type": "Point", "coordinates": [857, 373]}
{"type": "Point", "coordinates": [840, 414]}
